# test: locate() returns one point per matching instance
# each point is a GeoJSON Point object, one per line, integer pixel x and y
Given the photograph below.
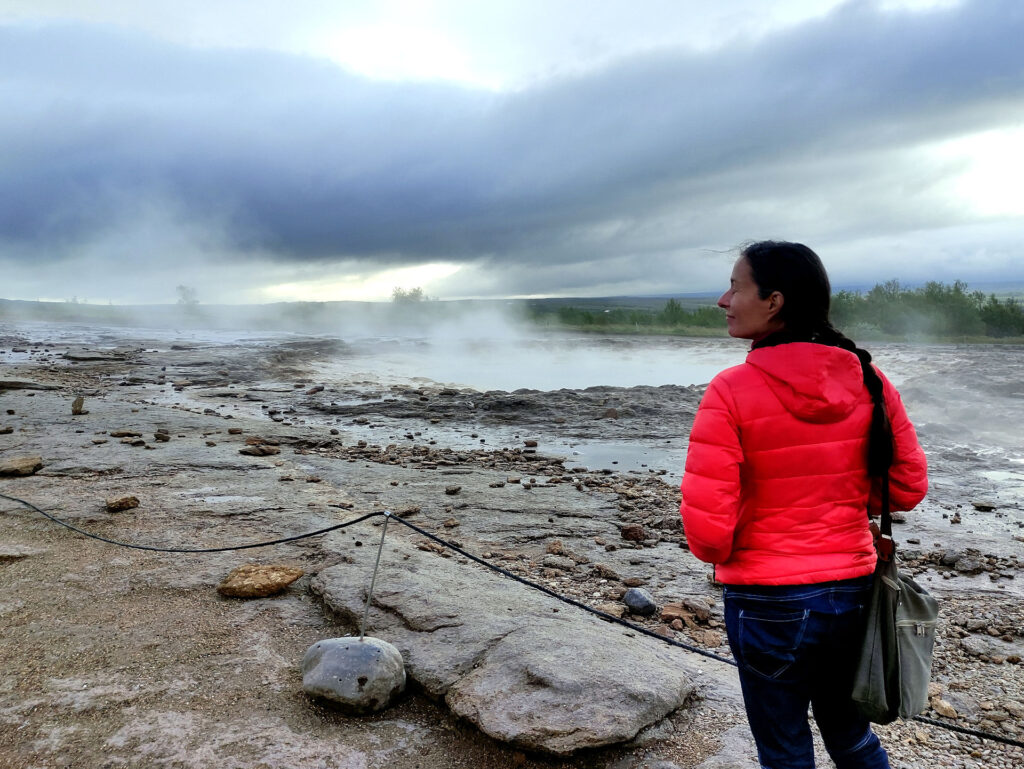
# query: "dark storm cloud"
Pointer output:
{"type": "Point", "coordinates": [294, 157]}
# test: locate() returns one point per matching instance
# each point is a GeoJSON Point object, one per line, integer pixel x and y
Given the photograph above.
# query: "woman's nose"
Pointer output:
{"type": "Point", "coordinates": [723, 301]}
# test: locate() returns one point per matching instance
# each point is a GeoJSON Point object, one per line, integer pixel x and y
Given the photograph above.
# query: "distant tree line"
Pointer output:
{"type": "Point", "coordinates": [935, 309]}
{"type": "Point", "coordinates": [672, 318]}
{"type": "Point", "coordinates": [888, 310]}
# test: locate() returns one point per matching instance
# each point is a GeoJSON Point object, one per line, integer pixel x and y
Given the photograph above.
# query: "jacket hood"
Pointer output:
{"type": "Point", "coordinates": [815, 382]}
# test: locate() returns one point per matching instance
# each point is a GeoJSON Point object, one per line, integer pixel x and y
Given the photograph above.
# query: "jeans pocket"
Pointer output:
{"type": "Point", "coordinates": [768, 641]}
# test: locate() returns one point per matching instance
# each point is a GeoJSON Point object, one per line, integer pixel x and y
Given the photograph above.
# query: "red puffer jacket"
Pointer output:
{"type": "Point", "coordinates": [776, 487]}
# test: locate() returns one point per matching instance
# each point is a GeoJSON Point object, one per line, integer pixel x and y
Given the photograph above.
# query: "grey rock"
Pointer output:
{"type": "Point", "coordinates": [83, 356]}
{"type": "Point", "coordinates": [737, 752]}
{"type": "Point", "coordinates": [640, 601]}
{"type": "Point", "coordinates": [559, 562]}
{"type": "Point", "coordinates": [987, 646]}
{"type": "Point", "coordinates": [950, 557]}
{"type": "Point", "coordinates": [358, 676]}
{"type": "Point", "coordinates": [522, 672]}
{"type": "Point", "coordinates": [969, 564]}
{"type": "Point", "coordinates": [654, 733]}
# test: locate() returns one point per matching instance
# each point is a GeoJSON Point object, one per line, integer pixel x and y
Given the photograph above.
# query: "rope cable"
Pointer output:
{"type": "Point", "coordinates": [154, 548]}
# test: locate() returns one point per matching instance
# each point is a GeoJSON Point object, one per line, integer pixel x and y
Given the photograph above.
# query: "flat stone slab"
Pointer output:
{"type": "Point", "coordinates": [17, 552]}
{"type": "Point", "coordinates": [523, 667]}
{"type": "Point", "coordinates": [24, 384]}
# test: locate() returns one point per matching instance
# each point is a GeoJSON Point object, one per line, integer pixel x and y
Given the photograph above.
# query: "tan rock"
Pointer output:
{"type": "Point", "coordinates": [120, 504]}
{"type": "Point", "coordinates": [555, 547]}
{"type": "Point", "coordinates": [606, 572]}
{"type": "Point", "coordinates": [697, 608]}
{"type": "Point", "coordinates": [1014, 708]}
{"type": "Point", "coordinates": [77, 406]}
{"type": "Point", "coordinates": [943, 708]}
{"type": "Point", "coordinates": [615, 609]}
{"type": "Point", "coordinates": [21, 465]}
{"type": "Point", "coordinates": [673, 611]}
{"type": "Point", "coordinates": [258, 580]}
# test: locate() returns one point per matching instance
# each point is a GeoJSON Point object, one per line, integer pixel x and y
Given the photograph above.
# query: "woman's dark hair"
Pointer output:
{"type": "Point", "coordinates": [797, 273]}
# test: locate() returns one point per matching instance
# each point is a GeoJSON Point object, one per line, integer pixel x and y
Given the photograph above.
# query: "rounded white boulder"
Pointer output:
{"type": "Point", "coordinates": [359, 676]}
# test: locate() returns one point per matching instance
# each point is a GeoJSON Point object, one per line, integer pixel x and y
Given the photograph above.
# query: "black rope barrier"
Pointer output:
{"type": "Point", "coordinates": [155, 549]}
{"type": "Point", "coordinates": [565, 599]}
{"type": "Point", "coordinates": [504, 572]}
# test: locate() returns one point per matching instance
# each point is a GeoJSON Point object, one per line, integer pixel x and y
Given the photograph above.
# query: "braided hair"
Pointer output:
{"type": "Point", "coordinates": [797, 273]}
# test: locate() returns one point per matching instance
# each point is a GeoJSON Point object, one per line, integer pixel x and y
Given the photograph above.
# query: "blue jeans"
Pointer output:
{"type": "Point", "coordinates": [796, 645]}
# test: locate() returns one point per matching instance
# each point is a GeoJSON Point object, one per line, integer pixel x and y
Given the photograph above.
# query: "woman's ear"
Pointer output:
{"type": "Point", "coordinates": [775, 302]}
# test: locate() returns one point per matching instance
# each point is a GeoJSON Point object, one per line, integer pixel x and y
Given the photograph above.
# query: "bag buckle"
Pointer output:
{"type": "Point", "coordinates": [884, 545]}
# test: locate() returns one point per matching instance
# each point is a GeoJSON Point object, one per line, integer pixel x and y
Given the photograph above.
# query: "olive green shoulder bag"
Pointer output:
{"type": "Point", "coordinates": [896, 655]}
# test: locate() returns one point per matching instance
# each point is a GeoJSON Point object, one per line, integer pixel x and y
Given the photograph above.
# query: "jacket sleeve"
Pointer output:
{"type": "Point", "coordinates": [908, 476]}
{"type": "Point", "coordinates": [711, 479]}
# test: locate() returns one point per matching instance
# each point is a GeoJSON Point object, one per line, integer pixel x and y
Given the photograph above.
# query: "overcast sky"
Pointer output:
{"type": "Point", "coordinates": [315, 150]}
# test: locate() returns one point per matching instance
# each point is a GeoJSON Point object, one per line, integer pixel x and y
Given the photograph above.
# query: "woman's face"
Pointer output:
{"type": "Point", "coordinates": [747, 314]}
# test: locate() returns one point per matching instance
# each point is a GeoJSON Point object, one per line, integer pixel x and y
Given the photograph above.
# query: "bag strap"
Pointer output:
{"type": "Point", "coordinates": [884, 545]}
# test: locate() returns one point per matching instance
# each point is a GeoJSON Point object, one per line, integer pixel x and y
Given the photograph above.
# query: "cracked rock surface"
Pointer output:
{"type": "Point", "coordinates": [522, 666]}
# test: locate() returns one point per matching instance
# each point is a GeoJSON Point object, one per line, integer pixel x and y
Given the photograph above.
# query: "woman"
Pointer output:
{"type": "Point", "coordinates": [786, 455]}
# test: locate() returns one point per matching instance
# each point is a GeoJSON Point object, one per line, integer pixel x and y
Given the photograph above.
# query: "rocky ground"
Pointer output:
{"type": "Point", "coordinates": [118, 657]}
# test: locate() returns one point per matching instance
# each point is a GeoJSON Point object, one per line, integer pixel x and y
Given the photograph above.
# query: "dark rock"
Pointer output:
{"type": "Point", "coordinates": [260, 450]}
{"type": "Point", "coordinates": [633, 532]}
{"type": "Point", "coordinates": [639, 601]}
{"type": "Point", "coordinates": [358, 676]}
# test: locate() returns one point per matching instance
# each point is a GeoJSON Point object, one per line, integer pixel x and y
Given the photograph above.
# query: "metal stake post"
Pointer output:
{"type": "Point", "coordinates": [373, 580]}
